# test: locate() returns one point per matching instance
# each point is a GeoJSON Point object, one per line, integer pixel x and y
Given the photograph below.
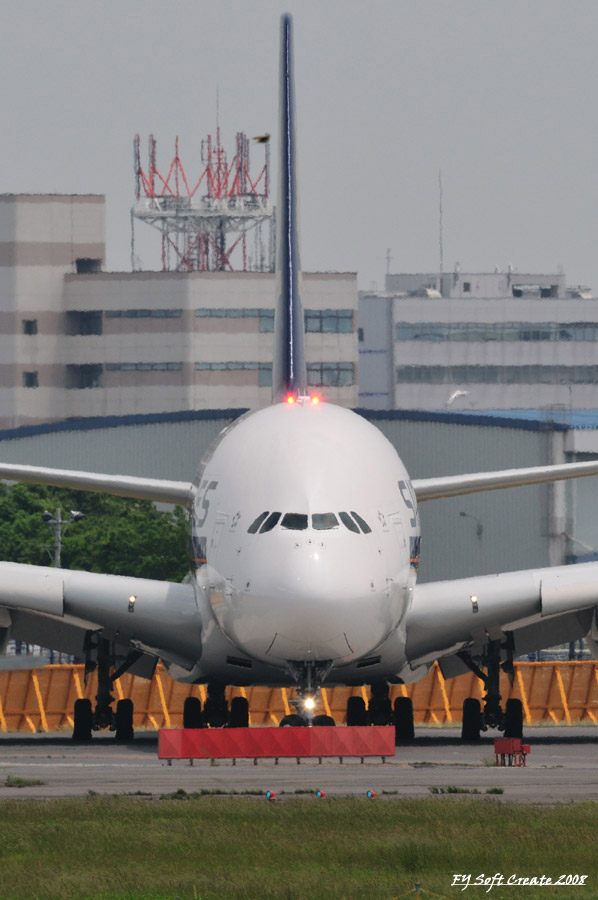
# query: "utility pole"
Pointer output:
{"type": "Point", "coordinates": [58, 524]}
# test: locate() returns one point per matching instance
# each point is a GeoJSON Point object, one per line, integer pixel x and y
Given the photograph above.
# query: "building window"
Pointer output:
{"type": "Point", "coordinates": [29, 326]}
{"type": "Point", "coordinates": [330, 374]}
{"type": "Point", "coordinates": [86, 266]}
{"type": "Point", "coordinates": [467, 287]}
{"type": "Point", "coordinates": [265, 316]}
{"type": "Point", "coordinates": [143, 313]}
{"type": "Point", "coordinates": [264, 378]}
{"type": "Point", "coordinates": [144, 367]}
{"type": "Point", "coordinates": [360, 335]}
{"type": "Point", "coordinates": [30, 379]}
{"type": "Point", "coordinates": [84, 321]}
{"type": "Point", "coordinates": [533, 374]}
{"type": "Point", "coordinates": [85, 376]}
{"type": "Point", "coordinates": [329, 321]}
{"type": "Point", "coordinates": [482, 332]}
{"type": "Point", "coordinates": [264, 370]}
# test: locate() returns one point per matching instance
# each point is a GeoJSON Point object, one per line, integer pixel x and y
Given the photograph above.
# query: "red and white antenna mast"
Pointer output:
{"type": "Point", "coordinates": [221, 222]}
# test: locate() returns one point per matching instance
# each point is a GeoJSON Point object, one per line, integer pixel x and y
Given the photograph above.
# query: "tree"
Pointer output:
{"type": "Point", "coordinates": [117, 536]}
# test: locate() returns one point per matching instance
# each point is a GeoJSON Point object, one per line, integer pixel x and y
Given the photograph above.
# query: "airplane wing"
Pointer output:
{"type": "Point", "coordinates": [527, 610]}
{"type": "Point", "coordinates": [180, 493]}
{"type": "Point", "coordinates": [58, 607]}
{"type": "Point", "coordinates": [455, 485]}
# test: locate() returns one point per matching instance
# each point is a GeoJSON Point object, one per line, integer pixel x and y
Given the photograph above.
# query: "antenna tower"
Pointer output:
{"type": "Point", "coordinates": [221, 222]}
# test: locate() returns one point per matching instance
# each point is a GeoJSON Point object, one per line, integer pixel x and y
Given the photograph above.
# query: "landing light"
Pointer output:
{"type": "Point", "coordinates": [309, 703]}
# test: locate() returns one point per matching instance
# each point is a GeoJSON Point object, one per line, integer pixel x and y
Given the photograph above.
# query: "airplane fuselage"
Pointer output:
{"type": "Point", "coordinates": [306, 535]}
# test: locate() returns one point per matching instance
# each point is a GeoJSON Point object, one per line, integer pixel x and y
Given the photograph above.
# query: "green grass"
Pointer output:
{"type": "Point", "coordinates": [17, 781]}
{"type": "Point", "coordinates": [244, 848]}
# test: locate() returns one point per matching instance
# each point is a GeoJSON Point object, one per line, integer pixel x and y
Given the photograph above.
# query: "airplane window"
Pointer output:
{"type": "Point", "coordinates": [324, 521]}
{"type": "Point", "coordinates": [348, 522]}
{"type": "Point", "coordinates": [294, 521]}
{"type": "Point", "coordinates": [271, 522]}
{"type": "Point", "coordinates": [256, 524]}
{"type": "Point", "coordinates": [361, 522]}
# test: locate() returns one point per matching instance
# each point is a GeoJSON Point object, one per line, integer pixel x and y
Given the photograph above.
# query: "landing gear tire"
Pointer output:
{"type": "Point", "coordinates": [379, 707]}
{"type": "Point", "coordinates": [403, 715]}
{"type": "Point", "coordinates": [215, 709]}
{"type": "Point", "coordinates": [124, 721]}
{"type": "Point", "coordinates": [472, 719]}
{"type": "Point", "coordinates": [83, 717]}
{"type": "Point", "coordinates": [192, 714]}
{"type": "Point", "coordinates": [356, 712]}
{"type": "Point", "coordinates": [323, 720]}
{"type": "Point", "coordinates": [294, 720]}
{"type": "Point", "coordinates": [514, 718]}
{"type": "Point", "coordinates": [239, 713]}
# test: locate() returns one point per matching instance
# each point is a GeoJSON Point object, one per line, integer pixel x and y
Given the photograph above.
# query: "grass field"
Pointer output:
{"type": "Point", "coordinates": [246, 848]}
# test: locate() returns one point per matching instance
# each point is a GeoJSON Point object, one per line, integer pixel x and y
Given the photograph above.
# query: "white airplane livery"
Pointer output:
{"type": "Point", "coordinates": [306, 539]}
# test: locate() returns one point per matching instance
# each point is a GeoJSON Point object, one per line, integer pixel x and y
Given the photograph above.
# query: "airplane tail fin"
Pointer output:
{"type": "Point", "coordinates": [289, 371]}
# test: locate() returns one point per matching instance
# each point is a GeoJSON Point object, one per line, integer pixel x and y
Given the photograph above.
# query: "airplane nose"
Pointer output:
{"type": "Point", "coordinates": [317, 603]}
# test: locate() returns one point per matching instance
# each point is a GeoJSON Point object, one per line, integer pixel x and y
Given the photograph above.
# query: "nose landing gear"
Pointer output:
{"type": "Point", "coordinates": [308, 677]}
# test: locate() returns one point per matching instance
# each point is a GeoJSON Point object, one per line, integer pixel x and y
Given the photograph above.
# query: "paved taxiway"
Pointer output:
{"type": "Point", "coordinates": [562, 767]}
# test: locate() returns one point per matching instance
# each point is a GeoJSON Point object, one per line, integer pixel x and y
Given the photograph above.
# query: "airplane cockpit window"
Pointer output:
{"type": "Point", "coordinates": [256, 523]}
{"type": "Point", "coordinates": [294, 521]}
{"type": "Point", "coordinates": [361, 522]}
{"type": "Point", "coordinates": [324, 521]}
{"type": "Point", "coordinates": [271, 522]}
{"type": "Point", "coordinates": [267, 521]}
{"type": "Point", "coordinates": [348, 522]}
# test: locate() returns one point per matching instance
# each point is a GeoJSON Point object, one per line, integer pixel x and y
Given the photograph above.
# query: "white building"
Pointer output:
{"type": "Point", "coordinates": [80, 342]}
{"type": "Point", "coordinates": [478, 341]}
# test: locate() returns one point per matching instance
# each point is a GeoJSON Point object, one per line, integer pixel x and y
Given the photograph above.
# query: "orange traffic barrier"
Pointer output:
{"type": "Point", "coordinates": [42, 699]}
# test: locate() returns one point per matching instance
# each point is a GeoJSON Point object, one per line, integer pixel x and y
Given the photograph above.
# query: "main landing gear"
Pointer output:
{"type": "Point", "coordinates": [99, 655]}
{"type": "Point", "coordinates": [380, 711]}
{"type": "Point", "coordinates": [476, 719]}
{"type": "Point", "coordinates": [216, 712]}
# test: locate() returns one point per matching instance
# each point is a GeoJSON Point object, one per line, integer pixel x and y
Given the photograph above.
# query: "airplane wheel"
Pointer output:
{"type": "Point", "coordinates": [83, 716]}
{"type": "Point", "coordinates": [192, 714]}
{"type": "Point", "coordinates": [239, 713]}
{"type": "Point", "coordinates": [472, 719]}
{"type": "Point", "coordinates": [379, 707]}
{"type": "Point", "coordinates": [404, 727]}
{"type": "Point", "coordinates": [514, 719]}
{"type": "Point", "coordinates": [380, 711]}
{"type": "Point", "coordinates": [323, 720]}
{"type": "Point", "coordinates": [215, 709]}
{"type": "Point", "coordinates": [124, 721]}
{"type": "Point", "coordinates": [356, 713]}
{"type": "Point", "coordinates": [293, 719]}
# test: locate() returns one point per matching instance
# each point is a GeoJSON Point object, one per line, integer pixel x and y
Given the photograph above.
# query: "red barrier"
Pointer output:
{"type": "Point", "coordinates": [510, 751]}
{"type": "Point", "coordinates": [239, 743]}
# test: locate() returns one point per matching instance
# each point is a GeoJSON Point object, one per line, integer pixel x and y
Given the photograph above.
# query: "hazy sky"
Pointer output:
{"type": "Point", "coordinates": [501, 96]}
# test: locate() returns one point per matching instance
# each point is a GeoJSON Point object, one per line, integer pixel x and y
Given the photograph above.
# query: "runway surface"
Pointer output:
{"type": "Point", "coordinates": [561, 767]}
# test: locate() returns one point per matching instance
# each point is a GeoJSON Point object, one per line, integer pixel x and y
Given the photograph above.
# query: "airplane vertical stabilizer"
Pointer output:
{"type": "Point", "coordinates": [289, 375]}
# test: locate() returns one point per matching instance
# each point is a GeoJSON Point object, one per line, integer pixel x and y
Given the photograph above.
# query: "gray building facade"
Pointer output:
{"type": "Point", "coordinates": [478, 341]}
{"type": "Point", "coordinates": [80, 342]}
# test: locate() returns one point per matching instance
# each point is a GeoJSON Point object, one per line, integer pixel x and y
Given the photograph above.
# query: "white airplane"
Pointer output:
{"type": "Point", "coordinates": [306, 535]}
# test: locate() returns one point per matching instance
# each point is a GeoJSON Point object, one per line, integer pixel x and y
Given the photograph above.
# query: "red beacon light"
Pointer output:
{"type": "Point", "coordinates": [315, 400]}
{"type": "Point", "coordinates": [290, 399]}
